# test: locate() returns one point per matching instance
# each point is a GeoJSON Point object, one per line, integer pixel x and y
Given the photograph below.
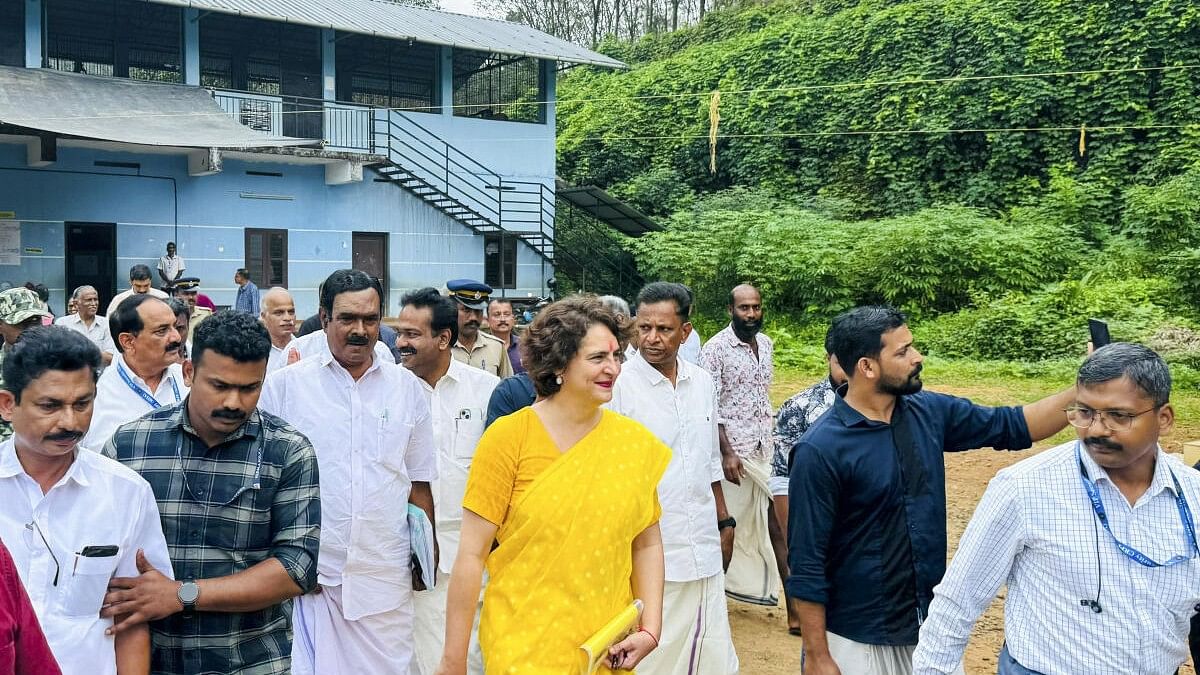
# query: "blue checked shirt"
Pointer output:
{"type": "Point", "coordinates": [223, 511]}
{"type": "Point", "coordinates": [1035, 530]}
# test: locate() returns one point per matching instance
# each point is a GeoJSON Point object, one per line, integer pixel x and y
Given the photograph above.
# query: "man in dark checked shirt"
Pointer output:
{"type": "Point", "coordinates": [237, 490]}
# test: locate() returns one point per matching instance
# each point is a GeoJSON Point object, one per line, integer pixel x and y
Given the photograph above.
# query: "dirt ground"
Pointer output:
{"type": "Point", "coordinates": [760, 633]}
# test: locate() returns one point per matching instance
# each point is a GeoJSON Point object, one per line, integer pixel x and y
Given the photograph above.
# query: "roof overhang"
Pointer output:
{"type": "Point", "coordinates": [123, 111]}
{"type": "Point", "coordinates": [399, 21]}
{"type": "Point", "coordinates": [607, 209]}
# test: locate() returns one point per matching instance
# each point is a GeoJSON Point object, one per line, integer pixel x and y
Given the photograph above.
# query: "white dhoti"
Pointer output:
{"type": "Point", "coordinates": [325, 642]}
{"type": "Point", "coordinates": [695, 632]}
{"type": "Point", "coordinates": [752, 576]}
{"type": "Point", "coordinates": [430, 629]}
{"type": "Point", "coordinates": [863, 659]}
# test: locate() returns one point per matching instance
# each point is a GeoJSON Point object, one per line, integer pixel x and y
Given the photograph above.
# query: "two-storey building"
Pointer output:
{"type": "Point", "coordinates": [290, 137]}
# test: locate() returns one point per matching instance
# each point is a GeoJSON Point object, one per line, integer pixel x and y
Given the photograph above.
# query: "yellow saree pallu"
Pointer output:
{"type": "Point", "coordinates": [564, 561]}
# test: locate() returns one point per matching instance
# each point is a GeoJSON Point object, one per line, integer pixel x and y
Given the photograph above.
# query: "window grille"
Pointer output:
{"type": "Point", "coordinates": [121, 38]}
{"type": "Point", "coordinates": [12, 32]}
{"type": "Point", "coordinates": [500, 260]}
{"type": "Point", "coordinates": [497, 87]}
{"type": "Point", "coordinates": [387, 73]}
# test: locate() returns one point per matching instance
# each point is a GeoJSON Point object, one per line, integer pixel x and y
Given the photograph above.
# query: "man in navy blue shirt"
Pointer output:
{"type": "Point", "coordinates": [868, 518]}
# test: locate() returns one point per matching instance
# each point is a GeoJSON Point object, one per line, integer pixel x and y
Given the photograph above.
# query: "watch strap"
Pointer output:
{"type": "Point", "coordinates": [728, 522]}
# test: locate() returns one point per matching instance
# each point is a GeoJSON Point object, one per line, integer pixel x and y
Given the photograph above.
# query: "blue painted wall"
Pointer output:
{"type": "Point", "coordinates": [206, 217]}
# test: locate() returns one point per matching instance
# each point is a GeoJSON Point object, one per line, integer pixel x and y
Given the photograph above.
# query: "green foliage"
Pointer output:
{"type": "Point", "coordinates": [1165, 216]}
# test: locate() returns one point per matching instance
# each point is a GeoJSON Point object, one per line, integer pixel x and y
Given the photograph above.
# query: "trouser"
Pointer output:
{"type": "Point", "coordinates": [1008, 665]}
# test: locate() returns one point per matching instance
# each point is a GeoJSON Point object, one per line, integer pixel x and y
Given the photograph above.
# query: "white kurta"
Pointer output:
{"type": "Point", "coordinates": [118, 401]}
{"type": "Point", "coordinates": [373, 438]}
{"type": "Point", "coordinates": [683, 416]}
{"type": "Point", "coordinates": [98, 502]}
{"type": "Point", "coordinates": [278, 356]}
{"type": "Point", "coordinates": [459, 406]}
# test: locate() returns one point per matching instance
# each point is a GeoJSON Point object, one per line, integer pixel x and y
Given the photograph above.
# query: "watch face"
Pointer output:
{"type": "Point", "coordinates": [188, 592]}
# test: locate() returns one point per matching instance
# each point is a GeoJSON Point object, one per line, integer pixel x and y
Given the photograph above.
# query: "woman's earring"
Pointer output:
{"type": "Point", "coordinates": [558, 379]}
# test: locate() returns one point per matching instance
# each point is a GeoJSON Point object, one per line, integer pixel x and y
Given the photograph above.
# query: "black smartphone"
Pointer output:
{"type": "Point", "coordinates": [1099, 331]}
{"type": "Point", "coordinates": [107, 551]}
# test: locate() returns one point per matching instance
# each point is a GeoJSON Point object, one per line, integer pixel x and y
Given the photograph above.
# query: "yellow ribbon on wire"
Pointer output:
{"type": "Point", "coordinates": [1083, 140]}
{"type": "Point", "coordinates": [714, 122]}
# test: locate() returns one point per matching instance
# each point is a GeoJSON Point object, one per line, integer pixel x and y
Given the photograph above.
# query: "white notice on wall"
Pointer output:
{"type": "Point", "coordinates": [10, 242]}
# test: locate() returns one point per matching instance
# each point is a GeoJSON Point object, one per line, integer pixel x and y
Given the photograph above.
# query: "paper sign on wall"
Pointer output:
{"type": "Point", "coordinates": [10, 242]}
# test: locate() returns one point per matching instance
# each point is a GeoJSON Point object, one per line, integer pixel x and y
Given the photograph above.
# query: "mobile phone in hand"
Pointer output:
{"type": "Point", "coordinates": [1099, 331]}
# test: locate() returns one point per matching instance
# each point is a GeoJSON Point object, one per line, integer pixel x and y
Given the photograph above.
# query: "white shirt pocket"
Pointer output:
{"type": "Point", "coordinates": [468, 429]}
{"type": "Point", "coordinates": [87, 583]}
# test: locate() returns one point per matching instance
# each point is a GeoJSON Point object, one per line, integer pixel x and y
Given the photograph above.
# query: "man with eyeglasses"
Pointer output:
{"type": "Point", "coordinates": [1095, 539]}
{"type": "Point", "coordinates": [237, 489]}
{"type": "Point", "coordinates": [71, 518]}
{"type": "Point", "coordinates": [867, 496]}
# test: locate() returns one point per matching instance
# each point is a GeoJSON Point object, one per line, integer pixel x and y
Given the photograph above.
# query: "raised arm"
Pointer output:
{"type": "Point", "coordinates": [1046, 417]}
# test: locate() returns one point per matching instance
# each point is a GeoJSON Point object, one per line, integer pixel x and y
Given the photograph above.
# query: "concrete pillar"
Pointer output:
{"type": "Point", "coordinates": [191, 46]}
{"type": "Point", "coordinates": [549, 95]}
{"type": "Point", "coordinates": [446, 77]}
{"type": "Point", "coordinates": [33, 34]}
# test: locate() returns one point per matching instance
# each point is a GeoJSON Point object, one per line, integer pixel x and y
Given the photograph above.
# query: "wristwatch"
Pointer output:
{"type": "Point", "coordinates": [728, 522]}
{"type": "Point", "coordinates": [188, 594]}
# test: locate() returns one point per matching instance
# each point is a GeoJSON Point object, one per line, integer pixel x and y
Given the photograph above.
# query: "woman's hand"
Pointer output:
{"type": "Point", "coordinates": [626, 654]}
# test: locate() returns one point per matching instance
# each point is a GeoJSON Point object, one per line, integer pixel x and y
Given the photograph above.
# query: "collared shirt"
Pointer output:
{"type": "Point", "coordinates": [225, 509]}
{"type": "Point", "coordinates": [867, 520]}
{"type": "Point", "coordinates": [247, 299]}
{"type": "Point", "coordinates": [743, 391]}
{"type": "Point", "coordinates": [374, 438]}
{"type": "Point", "coordinates": [172, 265]}
{"type": "Point", "coordinates": [318, 343]}
{"type": "Point", "coordinates": [459, 406]}
{"type": "Point", "coordinates": [97, 502]}
{"type": "Point", "coordinates": [6, 430]}
{"type": "Point", "coordinates": [97, 332]}
{"type": "Point", "coordinates": [118, 401]}
{"type": "Point", "coordinates": [198, 314]}
{"type": "Point", "coordinates": [128, 293]}
{"type": "Point", "coordinates": [278, 357]}
{"type": "Point", "coordinates": [488, 353]}
{"type": "Point", "coordinates": [684, 418]}
{"type": "Point", "coordinates": [514, 354]}
{"type": "Point", "coordinates": [512, 394]}
{"type": "Point", "coordinates": [1036, 531]}
{"type": "Point", "coordinates": [690, 349]}
{"type": "Point", "coordinates": [795, 416]}
{"type": "Point", "coordinates": [27, 652]}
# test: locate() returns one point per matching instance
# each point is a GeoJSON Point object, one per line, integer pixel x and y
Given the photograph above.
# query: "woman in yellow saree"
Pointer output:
{"type": "Point", "coordinates": [569, 493]}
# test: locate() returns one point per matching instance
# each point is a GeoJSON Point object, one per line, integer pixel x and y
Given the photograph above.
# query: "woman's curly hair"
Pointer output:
{"type": "Point", "coordinates": [553, 338]}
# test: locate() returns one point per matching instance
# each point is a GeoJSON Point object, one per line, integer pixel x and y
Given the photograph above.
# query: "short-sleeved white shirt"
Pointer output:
{"type": "Point", "coordinates": [684, 418]}
{"type": "Point", "coordinates": [374, 438]}
{"type": "Point", "coordinates": [98, 502]}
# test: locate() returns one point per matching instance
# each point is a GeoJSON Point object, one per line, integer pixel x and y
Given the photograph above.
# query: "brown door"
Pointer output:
{"type": "Point", "coordinates": [370, 255]}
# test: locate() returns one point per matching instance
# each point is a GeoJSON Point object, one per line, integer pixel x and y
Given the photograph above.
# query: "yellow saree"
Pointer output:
{"type": "Point", "coordinates": [566, 527]}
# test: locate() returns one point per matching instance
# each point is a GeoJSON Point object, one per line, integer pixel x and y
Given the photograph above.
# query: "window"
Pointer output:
{"type": "Point", "coordinates": [267, 257]}
{"type": "Point", "coordinates": [500, 260]}
{"type": "Point", "coordinates": [264, 57]}
{"type": "Point", "coordinates": [497, 87]}
{"type": "Point", "coordinates": [387, 73]}
{"type": "Point", "coordinates": [12, 32]}
{"type": "Point", "coordinates": [118, 38]}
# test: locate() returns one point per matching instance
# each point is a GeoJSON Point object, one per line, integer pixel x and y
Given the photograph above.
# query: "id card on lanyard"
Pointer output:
{"type": "Point", "coordinates": [150, 400]}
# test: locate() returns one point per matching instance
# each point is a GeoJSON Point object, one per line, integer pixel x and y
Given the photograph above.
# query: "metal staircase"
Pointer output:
{"type": "Point", "coordinates": [459, 186]}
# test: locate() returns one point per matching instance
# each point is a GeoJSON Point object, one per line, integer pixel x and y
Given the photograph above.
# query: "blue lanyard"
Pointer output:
{"type": "Point", "coordinates": [1185, 517]}
{"type": "Point", "coordinates": [153, 402]}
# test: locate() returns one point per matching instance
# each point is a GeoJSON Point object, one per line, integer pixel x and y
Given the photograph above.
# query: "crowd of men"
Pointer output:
{"type": "Point", "coordinates": [195, 492]}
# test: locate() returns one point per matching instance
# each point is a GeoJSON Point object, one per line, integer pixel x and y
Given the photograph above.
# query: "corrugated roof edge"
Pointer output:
{"type": "Point", "coordinates": [581, 55]}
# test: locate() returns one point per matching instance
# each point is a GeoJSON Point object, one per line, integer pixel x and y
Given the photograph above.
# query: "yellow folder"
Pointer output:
{"type": "Point", "coordinates": [595, 650]}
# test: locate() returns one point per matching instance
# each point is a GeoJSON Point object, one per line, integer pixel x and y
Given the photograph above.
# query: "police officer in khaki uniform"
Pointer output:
{"type": "Point", "coordinates": [186, 289]}
{"type": "Point", "coordinates": [20, 309]}
{"type": "Point", "coordinates": [474, 347]}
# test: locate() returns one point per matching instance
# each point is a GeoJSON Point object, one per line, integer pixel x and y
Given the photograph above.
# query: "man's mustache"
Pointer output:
{"type": "Point", "coordinates": [1101, 442]}
{"type": "Point", "coordinates": [67, 435]}
{"type": "Point", "coordinates": [229, 414]}
{"type": "Point", "coordinates": [174, 347]}
{"type": "Point", "coordinates": [407, 351]}
{"type": "Point", "coordinates": [473, 323]}
{"type": "Point", "coordinates": [917, 371]}
{"type": "Point", "coordinates": [357, 340]}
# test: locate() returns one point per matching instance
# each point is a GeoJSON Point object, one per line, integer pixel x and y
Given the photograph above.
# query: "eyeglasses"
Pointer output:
{"type": "Point", "coordinates": [1113, 420]}
{"type": "Point", "coordinates": [34, 527]}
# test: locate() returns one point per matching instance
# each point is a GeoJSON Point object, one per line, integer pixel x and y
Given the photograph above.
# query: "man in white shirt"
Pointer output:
{"type": "Point", "coordinates": [171, 266]}
{"type": "Point", "coordinates": [278, 314]}
{"type": "Point", "coordinates": [369, 421]}
{"type": "Point", "coordinates": [1095, 539]}
{"type": "Point", "coordinates": [72, 520]}
{"type": "Point", "coordinates": [85, 320]}
{"type": "Point", "coordinates": [145, 374]}
{"type": "Point", "coordinates": [139, 284]}
{"type": "Point", "coordinates": [459, 397]}
{"type": "Point", "coordinates": [676, 400]}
